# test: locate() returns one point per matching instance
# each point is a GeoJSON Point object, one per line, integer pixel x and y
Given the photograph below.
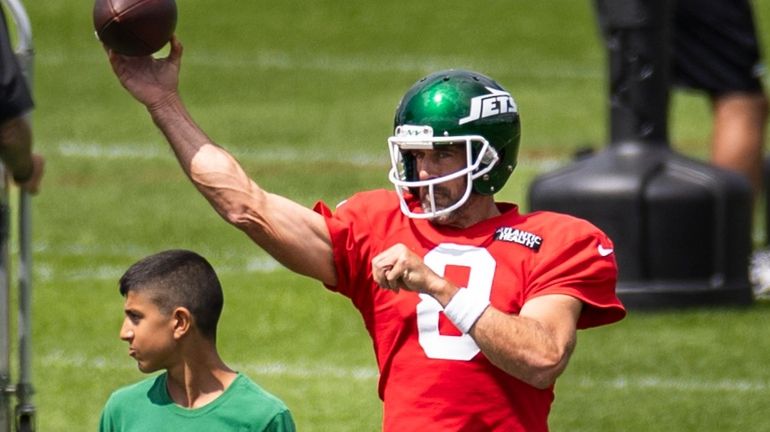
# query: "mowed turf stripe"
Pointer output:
{"type": "Point", "coordinates": [45, 272]}
{"type": "Point", "coordinates": [267, 60]}
{"type": "Point", "coordinates": [228, 263]}
{"type": "Point", "coordinates": [66, 360]}
{"type": "Point", "coordinates": [144, 151]}
{"type": "Point", "coordinates": [159, 151]}
{"type": "Point", "coordinates": [686, 385]}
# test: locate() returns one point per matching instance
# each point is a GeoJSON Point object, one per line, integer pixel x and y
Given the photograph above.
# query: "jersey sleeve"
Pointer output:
{"type": "Point", "coordinates": [581, 265]}
{"type": "Point", "coordinates": [351, 233]}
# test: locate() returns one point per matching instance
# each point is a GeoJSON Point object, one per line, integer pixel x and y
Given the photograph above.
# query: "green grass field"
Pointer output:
{"type": "Point", "coordinates": [303, 94]}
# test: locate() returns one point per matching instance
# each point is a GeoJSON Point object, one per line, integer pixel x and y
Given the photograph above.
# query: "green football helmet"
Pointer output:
{"type": "Point", "coordinates": [455, 107]}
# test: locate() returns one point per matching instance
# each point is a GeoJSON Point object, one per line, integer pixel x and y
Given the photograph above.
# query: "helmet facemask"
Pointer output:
{"type": "Point", "coordinates": [481, 157]}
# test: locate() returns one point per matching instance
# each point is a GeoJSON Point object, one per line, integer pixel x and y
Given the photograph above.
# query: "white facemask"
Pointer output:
{"type": "Point", "coordinates": [408, 137]}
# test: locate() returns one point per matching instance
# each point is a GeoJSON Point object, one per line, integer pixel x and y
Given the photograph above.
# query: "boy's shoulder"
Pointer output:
{"type": "Point", "coordinates": [251, 392]}
{"type": "Point", "coordinates": [143, 389]}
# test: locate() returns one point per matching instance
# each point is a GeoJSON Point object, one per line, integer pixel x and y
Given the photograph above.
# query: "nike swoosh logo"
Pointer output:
{"type": "Point", "coordinates": [604, 251]}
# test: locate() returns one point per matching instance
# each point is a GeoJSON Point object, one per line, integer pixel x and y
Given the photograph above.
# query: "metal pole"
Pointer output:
{"type": "Point", "coordinates": [637, 38]}
{"type": "Point", "coordinates": [25, 410]}
{"type": "Point", "coordinates": [6, 388]}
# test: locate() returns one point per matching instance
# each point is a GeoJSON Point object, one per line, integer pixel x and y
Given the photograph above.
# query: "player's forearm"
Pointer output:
{"type": "Point", "coordinates": [213, 171]}
{"type": "Point", "coordinates": [522, 347]}
{"type": "Point", "coordinates": [182, 133]}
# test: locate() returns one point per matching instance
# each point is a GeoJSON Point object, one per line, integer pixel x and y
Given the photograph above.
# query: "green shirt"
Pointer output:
{"type": "Point", "coordinates": [146, 407]}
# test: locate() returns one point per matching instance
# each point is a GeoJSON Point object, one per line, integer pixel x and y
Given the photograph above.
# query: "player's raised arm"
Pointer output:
{"type": "Point", "coordinates": [294, 235]}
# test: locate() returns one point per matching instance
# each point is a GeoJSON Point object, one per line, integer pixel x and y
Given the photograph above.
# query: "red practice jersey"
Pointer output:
{"type": "Point", "coordinates": [433, 377]}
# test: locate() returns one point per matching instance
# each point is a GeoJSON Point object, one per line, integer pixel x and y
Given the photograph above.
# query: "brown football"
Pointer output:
{"type": "Point", "coordinates": [135, 27]}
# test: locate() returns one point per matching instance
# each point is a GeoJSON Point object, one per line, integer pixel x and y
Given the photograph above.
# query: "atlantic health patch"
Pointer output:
{"type": "Point", "coordinates": [524, 238]}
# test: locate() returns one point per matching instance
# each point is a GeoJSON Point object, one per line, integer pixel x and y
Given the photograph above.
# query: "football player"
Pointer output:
{"type": "Point", "coordinates": [472, 306]}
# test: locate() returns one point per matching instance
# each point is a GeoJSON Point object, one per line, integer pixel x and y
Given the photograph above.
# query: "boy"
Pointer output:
{"type": "Point", "coordinates": [173, 301]}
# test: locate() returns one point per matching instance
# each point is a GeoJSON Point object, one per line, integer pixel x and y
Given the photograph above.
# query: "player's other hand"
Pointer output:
{"type": "Point", "coordinates": [152, 81]}
{"type": "Point", "coordinates": [399, 268]}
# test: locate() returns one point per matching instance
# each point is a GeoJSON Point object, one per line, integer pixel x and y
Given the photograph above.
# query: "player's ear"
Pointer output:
{"type": "Point", "coordinates": [182, 322]}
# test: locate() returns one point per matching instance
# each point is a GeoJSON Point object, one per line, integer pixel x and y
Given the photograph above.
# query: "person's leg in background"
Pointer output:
{"type": "Point", "coordinates": [738, 137]}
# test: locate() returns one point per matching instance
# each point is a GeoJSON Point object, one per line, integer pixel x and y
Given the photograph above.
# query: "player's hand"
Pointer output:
{"type": "Point", "coordinates": [32, 184]}
{"type": "Point", "coordinates": [399, 268]}
{"type": "Point", "coordinates": [152, 81]}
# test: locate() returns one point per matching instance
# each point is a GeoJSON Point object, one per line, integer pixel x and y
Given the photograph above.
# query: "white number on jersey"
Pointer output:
{"type": "Point", "coordinates": [482, 269]}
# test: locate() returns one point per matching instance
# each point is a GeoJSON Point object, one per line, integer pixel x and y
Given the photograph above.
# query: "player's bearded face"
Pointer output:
{"type": "Point", "coordinates": [438, 163]}
{"type": "Point", "coordinates": [444, 195]}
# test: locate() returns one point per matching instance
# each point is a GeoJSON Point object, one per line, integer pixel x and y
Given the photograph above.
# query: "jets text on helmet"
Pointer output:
{"type": "Point", "coordinates": [497, 102]}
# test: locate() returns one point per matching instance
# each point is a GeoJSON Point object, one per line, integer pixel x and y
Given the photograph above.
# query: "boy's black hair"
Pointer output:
{"type": "Point", "coordinates": [175, 278]}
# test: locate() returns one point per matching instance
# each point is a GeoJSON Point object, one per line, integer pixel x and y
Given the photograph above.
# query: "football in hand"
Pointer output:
{"type": "Point", "coordinates": [135, 27]}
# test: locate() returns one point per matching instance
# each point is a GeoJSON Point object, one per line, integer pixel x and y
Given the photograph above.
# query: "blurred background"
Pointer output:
{"type": "Point", "coordinates": [303, 94]}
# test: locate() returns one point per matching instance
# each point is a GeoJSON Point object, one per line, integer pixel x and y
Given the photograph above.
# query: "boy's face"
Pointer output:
{"type": "Point", "coordinates": [149, 333]}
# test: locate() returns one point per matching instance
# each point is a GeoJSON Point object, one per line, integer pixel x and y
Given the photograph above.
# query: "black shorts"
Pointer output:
{"type": "Point", "coordinates": [715, 47]}
{"type": "Point", "coordinates": [15, 98]}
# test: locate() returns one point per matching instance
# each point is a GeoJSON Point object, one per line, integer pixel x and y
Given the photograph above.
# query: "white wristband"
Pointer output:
{"type": "Point", "coordinates": [465, 308]}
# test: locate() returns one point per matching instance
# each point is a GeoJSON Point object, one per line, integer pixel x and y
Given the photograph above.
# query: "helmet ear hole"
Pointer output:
{"type": "Point", "coordinates": [501, 154]}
